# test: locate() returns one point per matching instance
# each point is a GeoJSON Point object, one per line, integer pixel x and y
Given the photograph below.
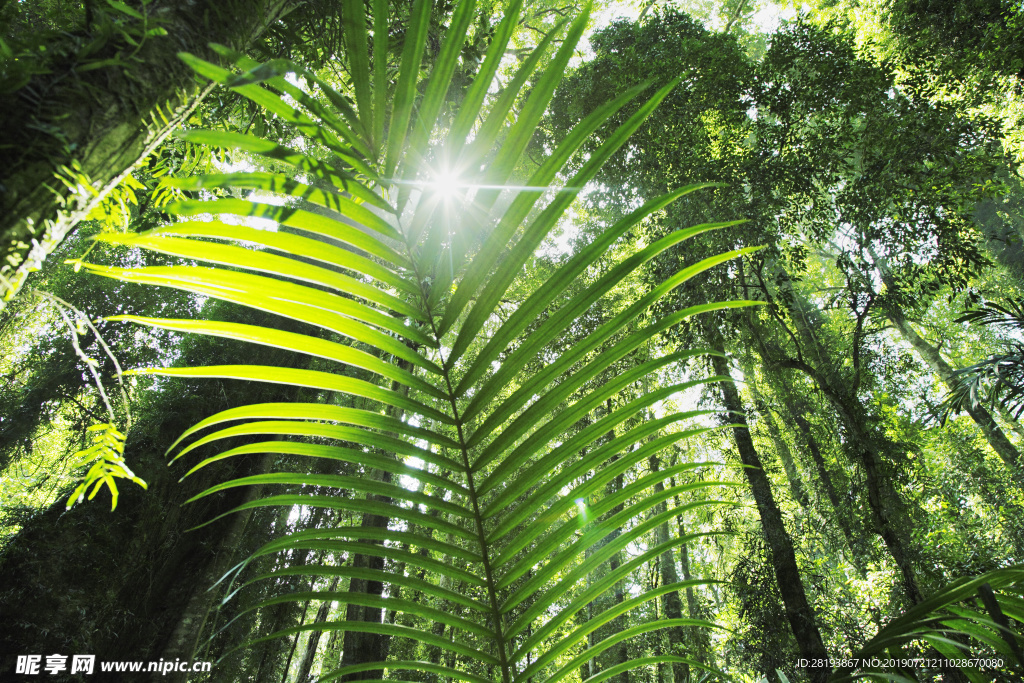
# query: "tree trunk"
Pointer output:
{"type": "Point", "coordinates": [1012, 422]}
{"type": "Point", "coordinates": [795, 414]}
{"type": "Point", "coordinates": [986, 423]}
{"type": "Point", "coordinates": [704, 653]}
{"type": "Point", "coordinates": [306, 665]}
{"type": "Point", "coordinates": [618, 653]}
{"type": "Point", "coordinates": [887, 509]}
{"type": "Point", "coordinates": [840, 508]}
{"type": "Point", "coordinates": [100, 122]}
{"type": "Point", "coordinates": [358, 647]}
{"type": "Point", "coordinates": [780, 546]}
{"type": "Point", "coordinates": [295, 644]}
{"type": "Point", "coordinates": [185, 637]}
{"type": "Point", "coordinates": [673, 604]}
{"type": "Point", "coordinates": [796, 486]}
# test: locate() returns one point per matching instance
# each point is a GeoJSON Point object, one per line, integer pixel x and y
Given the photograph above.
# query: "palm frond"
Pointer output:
{"type": "Point", "coordinates": [1009, 313]}
{"type": "Point", "coordinates": [392, 294]}
{"type": "Point", "coordinates": [999, 379]}
{"type": "Point", "coordinates": [974, 624]}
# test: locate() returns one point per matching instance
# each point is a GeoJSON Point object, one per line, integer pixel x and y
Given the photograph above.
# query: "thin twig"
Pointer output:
{"type": "Point", "coordinates": [89, 362]}
{"type": "Point", "coordinates": [103, 345]}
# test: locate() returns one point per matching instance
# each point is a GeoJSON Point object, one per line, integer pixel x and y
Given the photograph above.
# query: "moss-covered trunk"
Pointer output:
{"type": "Point", "coordinates": [98, 111]}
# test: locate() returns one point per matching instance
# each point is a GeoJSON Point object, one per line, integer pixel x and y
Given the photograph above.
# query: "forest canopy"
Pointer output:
{"type": "Point", "coordinates": [527, 341]}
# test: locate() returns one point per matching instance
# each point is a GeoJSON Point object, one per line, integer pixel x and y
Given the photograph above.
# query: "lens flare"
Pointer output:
{"type": "Point", "coordinates": [446, 185]}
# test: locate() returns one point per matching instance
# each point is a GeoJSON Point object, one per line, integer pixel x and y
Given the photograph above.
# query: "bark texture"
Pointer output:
{"type": "Point", "coordinates": [103, 121]}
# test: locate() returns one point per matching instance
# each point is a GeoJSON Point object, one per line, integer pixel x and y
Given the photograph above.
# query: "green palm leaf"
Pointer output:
{"type": "Point", "coordinates": [392, 296]}
{"type": "Point", "coordinates": [977, 642]}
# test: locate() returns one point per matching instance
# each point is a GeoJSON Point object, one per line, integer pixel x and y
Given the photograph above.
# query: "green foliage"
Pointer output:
{"type": "Point", "coordinates": [398, 288]}
{"type": "Point", "coordinates": [764, 634]}
{"type": "Point", "coordinates": [115, 211]}
{"type": "Point", "coordinates": [820, 148]}
{"type": "Point", "coordinates": [431, 357]}
{"type": "Point", "coordinates": [959, 36]}
{"type": "Point", "coordinates": [1009, 314]}
{"type": "Point", "coordinates": [999, 379]}
{"type": "Point", "coordinates": [105, 460]}
{"type": "Point", "coordinates": [968, 620]}
{"type": "Point", "coordinates": [55, 363]}
{"type": "Point", "coordinates": [116, 35]}
{"type": "Point", "coordinates": [962, 53]}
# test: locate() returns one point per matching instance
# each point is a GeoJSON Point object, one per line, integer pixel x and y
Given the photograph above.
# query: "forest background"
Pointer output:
{"type": "Point", "coordinates": [834, 470]}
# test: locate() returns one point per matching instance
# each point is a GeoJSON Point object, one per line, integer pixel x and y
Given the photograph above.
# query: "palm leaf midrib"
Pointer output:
{"type": "Point", "coordinates": [499, 607]}
{"type": "Point", "coordinates": [464, 451]}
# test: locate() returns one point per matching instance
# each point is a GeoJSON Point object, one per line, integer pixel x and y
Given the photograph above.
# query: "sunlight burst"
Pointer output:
{"type": "Point", "coordinates": [446, 185]}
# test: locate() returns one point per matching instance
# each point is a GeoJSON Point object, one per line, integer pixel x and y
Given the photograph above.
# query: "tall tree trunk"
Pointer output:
{"type": "Point", "coordinates": [359, 647]}
{"type": "Point", "coordinates": [796, 486]}
{"type": "Point", "coordinates": [986, 423]}
{"type": "Point", "coordinates": [795, 414]}
{"type": "Point", "coordinates": [840, 508]}
{"type": "Point", "coordinates": [888, 512]}
{"type": "Point", "coordinates": [619, 653]}
{"type": "Point", "coordinates": [184, 638]}
{"type": "Point", "coordinates": [673, 604]}
{"type": "Point", "coordinates": [780, 546]}
{"type": "Point", "coordinates": [102, 122]}
{"type": "Point", "coordinates": [306, 665]}
{"type": "Point", "coordinates": [705, 655]}
{"type": "Point", "coordinates": [295, 644]}
{"type": "Point", "coordinates": [1011, 422]}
